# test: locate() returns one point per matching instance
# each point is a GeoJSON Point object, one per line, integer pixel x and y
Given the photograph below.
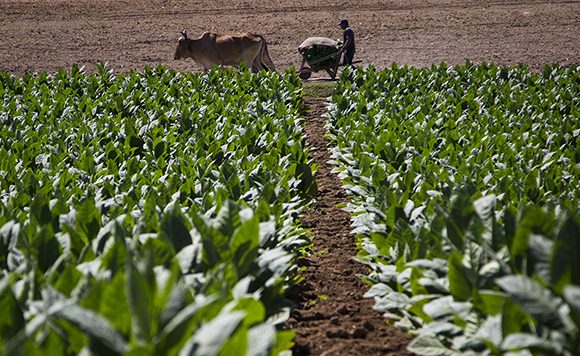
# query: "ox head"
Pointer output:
{"type": "Point", "coordinates": [182, 50]}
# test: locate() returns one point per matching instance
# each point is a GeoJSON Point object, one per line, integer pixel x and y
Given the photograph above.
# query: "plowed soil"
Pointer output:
{"type": "Point", "coordinates": [129, 34]}
{"type": "Point", "coordinates": [332, 317]}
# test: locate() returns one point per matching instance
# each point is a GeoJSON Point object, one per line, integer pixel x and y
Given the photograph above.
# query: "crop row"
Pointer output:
{"type": "Point", "coordinates": [464, 184]}
{"type": "Point", "coordinates": [149, 212]}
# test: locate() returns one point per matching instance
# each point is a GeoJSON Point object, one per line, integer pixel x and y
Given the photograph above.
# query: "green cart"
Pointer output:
{"type": "Point", "coordinates": [319, 53]}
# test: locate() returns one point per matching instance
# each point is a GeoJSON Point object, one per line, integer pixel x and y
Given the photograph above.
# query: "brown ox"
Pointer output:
{"type": "Point", "coordinates": [225, 49]}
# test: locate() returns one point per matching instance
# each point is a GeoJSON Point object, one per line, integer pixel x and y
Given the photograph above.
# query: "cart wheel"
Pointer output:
{"type": "Point", "coordinates": [305, 73]}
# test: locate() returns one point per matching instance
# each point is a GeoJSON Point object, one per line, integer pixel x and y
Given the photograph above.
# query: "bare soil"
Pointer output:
{"type": "Point", "coordinates": [332, 317]}
{"type": "Point", "coordinates": [43, 35]}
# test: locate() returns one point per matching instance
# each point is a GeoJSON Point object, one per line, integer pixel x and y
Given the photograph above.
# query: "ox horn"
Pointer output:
{"type": "Point", "coordinates": [184, 34]}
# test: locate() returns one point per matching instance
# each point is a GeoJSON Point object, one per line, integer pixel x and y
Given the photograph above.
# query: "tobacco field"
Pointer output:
{"type": "Point", "coordinates": [157, 212]}
{"type": "Point", "coordinates": [149, 213]}
{"type": "Point", "coordinates": [465, 200]}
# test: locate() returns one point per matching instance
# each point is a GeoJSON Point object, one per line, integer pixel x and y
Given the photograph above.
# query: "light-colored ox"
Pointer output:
{"type": "Point", "coordinates": [225, 50]}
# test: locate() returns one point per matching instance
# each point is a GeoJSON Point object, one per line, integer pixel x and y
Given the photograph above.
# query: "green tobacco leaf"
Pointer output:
{"type": "Point", "coordinates": [460, 285]}
{"type": "Point", "coordinates": [46, 248]}
{"type": "Point", "coordinates": [489, 302]}
{"type": "Point", "coordinates": [67, 279]}
{"type": "Point", "coordinates": [533, 220]}
{"type": "Point", "coordinates": [437, 328]}
{"type": "Point", "coordinates": [485, 207]}
{"type": "Point", "coordinates": [534, 299]}
{"type": "Point", "coordinates": [12, 320]}
{"type": "Point", "coordinates": [95, 326]}
{"type": "Point", "coordinates": [245, 243]}
{"type": "Point", "coordinates": [211, 336]}
{"type": "Point", "coordinates": [228, 218]}
{"type": "Point", "coordinates": [490, 332]}
{"type": "Point", "coordinates": [572, 297]}
{"type": "Point", "coordinates": [459, 219]}
{"type": "Point", "coordinates": [39, 207]}
{"type": "Point", "coordinates": [276, 260]}
{"type": "Point", "coordinates": [114, 256]}
{"type": "Point", "coordinates": [261, 339]}
{"type": "Point", "coordinates": [523, 341]}
{"type": "Point", "coordinates": [113, 303]}
{"type": "Point", "coordinates": [183, 320]}
{"type": "Point", "coordinates": [514, 319]}
{"type": "Point", "coordinates": [88, 219]}
{"type": "Point", "coordinates": [175, 228]}
{"type": "Point", "coordinates": [140, 297]}
{"type": "Point", "coordinates": [307, 186]}
{"type": "Point", "coordinates": [284, 341]}
{"type": "Point", "coordinates": [539, 254]}
{"type": "Point", "coordinates": [429, 346]}
{"type": "Point", "coordinates": [565, 261]}
{"type": "Point", "coordinates": [254, 309]}
{"type": "Point", "coordinates": [8, 236]}
{"type": "Point", "coordinates": [236, 342]}
{"type": "Point", "coordinates": [446, 307]}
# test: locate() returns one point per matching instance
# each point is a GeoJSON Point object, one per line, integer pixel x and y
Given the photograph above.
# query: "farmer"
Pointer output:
{"type": "Point", "coordinates": [348, 42]}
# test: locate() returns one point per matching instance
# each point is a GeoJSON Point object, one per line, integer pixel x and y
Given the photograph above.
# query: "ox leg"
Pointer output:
{"type": "Point", "coordinates": [256, 64]}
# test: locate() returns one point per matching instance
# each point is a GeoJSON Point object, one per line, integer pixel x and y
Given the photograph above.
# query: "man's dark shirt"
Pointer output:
{"type": "Point", "coordinates": [349, 33]}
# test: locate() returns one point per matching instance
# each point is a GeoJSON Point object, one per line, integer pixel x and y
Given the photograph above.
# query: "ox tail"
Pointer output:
{"type": "Point", "coordinates": [265, 59]}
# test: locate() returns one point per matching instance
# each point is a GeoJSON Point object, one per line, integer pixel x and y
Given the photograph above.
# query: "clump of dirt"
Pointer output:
{"type": "Point", "coordinates": [332, 317]}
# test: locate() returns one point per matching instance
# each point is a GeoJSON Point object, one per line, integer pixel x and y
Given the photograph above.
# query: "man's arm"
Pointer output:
{"type": "Point", "coordinates": [346, 43]}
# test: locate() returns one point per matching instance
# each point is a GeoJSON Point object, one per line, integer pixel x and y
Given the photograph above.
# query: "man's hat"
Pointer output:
{"type": "Point", "coordinates": [343, 22]}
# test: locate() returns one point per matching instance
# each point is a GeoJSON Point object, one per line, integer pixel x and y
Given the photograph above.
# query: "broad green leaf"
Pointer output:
{"type": "Point", "coordinates": [45, 248]}
{"type": "Point", "coordinates": [534, 299]}
{"type": "Point", "coordinates": [88, 220]}
{"type": "Point", "coordinates": [67, 280]}
{"type": "Point", "coordinates": [261, 339]}
{"type": "Point", "coordinates": [12, 320]}
{"type": "Point", "coordinates": [428, 345]}
{"type": "Point", "coordinates": [490, 332]}
{"type": "Point", "coordinates": [210, 337]}
{"type": "Point", "coordinates": [236, 342]}
{"type": "Point", "coordinates": [460, 284]}
{"type": "Point", "coordinates": [572, 297]}
{"type": "Point", "coordinates": [307, 186]}
{"type": "Point", "coordinates": [228, 218]}
{"type": "Point", "coordinates": [244, 244]}
{"type": "Point", "coordinates": [40, 209]}
{"type": "Point", "coordinates": [520, 341]}
{"type": "Point", "coordinates": [284, 341]}
{"type": "Point", "coordinates": [446, 307]}
{"type": "Point", "coordinates": [114, 305]}
{"type": "Point", "coordinates": [514, 319]}
{"type": "Point", "coordinates": [179, 328]}
{"type": "Point", "coordinates": [437, 328]}
{"type": "Point", "coordinates": [565, 261]}
{"type": "Point", "coordinates": [140, 291]}
{"type": "Point", "coordinates": [95, 326]}
{"type": "Point", "coordinates": [489, 302]}
{"type": "Point", "coordinates": [175, 228]}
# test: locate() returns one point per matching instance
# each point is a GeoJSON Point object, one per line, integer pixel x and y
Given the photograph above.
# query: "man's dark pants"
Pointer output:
{"type": "Point", "coordinates": [348, 57]}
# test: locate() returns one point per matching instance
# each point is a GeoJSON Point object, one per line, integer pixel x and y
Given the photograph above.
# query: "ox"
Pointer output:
{"type": "Point", "coordinates": [225, 49]}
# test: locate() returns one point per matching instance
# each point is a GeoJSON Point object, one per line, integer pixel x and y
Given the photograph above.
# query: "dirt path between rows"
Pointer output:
{"type": "Point", "coordinates": [333, 318]}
